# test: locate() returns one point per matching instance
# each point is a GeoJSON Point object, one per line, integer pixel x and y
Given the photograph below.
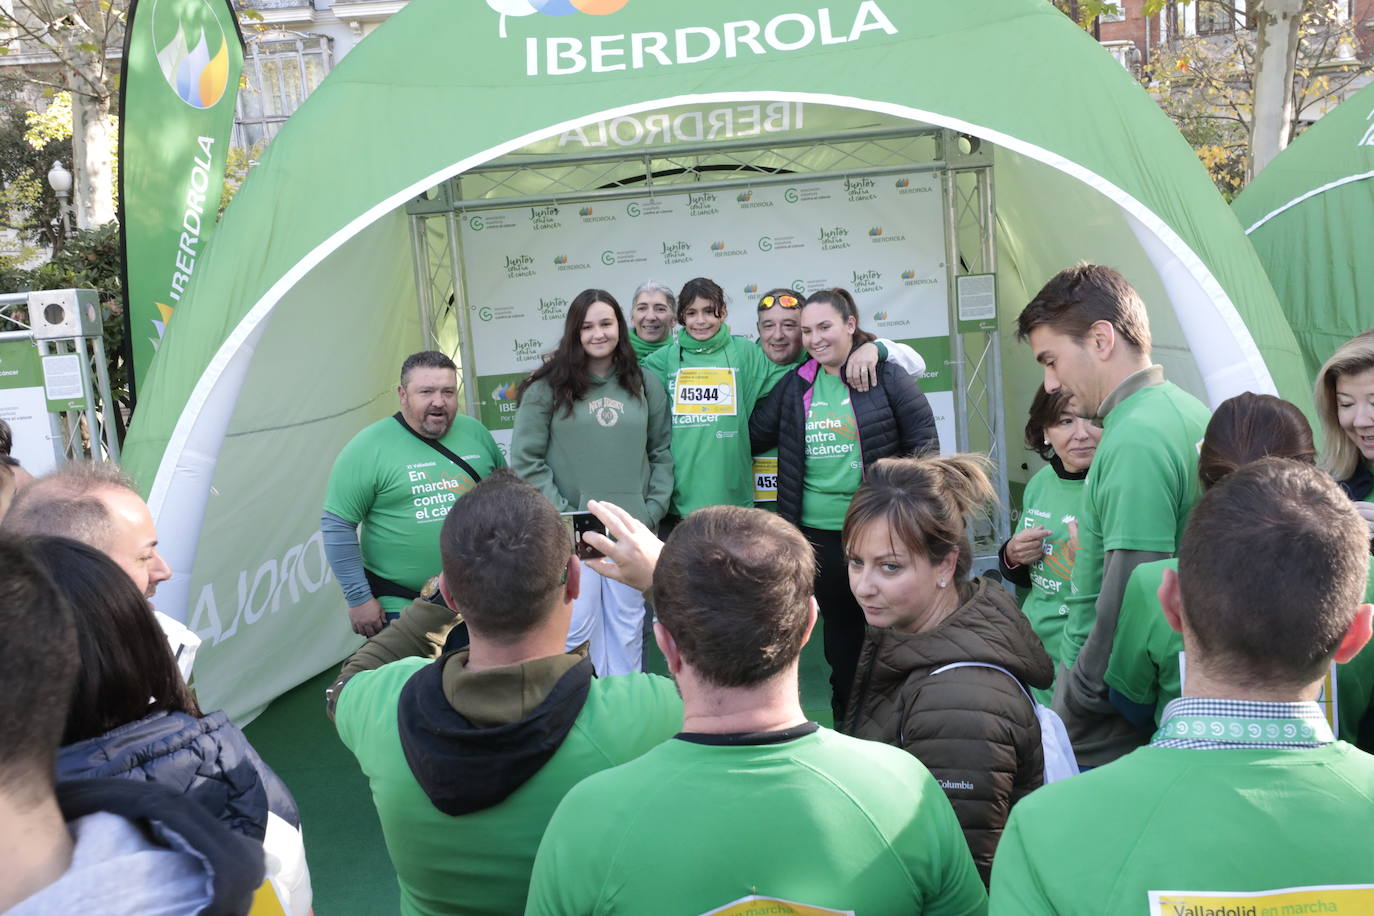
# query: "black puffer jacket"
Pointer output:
{"type": "Point", "coordinates": [973, 728]}
{"type": "Point", "coordinates": [894, 419]}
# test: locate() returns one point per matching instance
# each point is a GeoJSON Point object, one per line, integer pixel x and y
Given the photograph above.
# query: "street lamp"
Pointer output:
{"type": "Point", "coordinates": [60, 180]}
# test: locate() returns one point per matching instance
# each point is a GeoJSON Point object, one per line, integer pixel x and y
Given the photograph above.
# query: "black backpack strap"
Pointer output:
{"type": "Point", "coordinates": [438, 447]}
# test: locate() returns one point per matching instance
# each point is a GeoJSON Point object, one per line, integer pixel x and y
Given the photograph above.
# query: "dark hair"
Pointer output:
{"type": "Point", "coordinates": [127, 669]}
{"type": "Point", "coordinates": [1272, 565]}
{"type": "Point", "coordinates": [425, 359]}
{"type": "Point", "coordinates": [701, 288]}
{"type": "Point", "coordinates": [6, 438]}
{"type": "Point", "coordinates": [1045, 409]}
{"type": "Point", "coordinates": [1248, 427]}
{"type": "Point", "coordinates": [1076, 298]}
{"type": "Point", "coordinates": [505, 550]}
{"type": "Point", "coordinates": [67, 503]}
{"type": "Point", "coordinates": [841, 301]}
{"type": "Point", "coordinates": [733, 587]}
{"type": "Point", "coordinates": [38, 666]}
{"type": "Point", "coordinates": [924, 501]}
{"type": "Point", "coordinates": [565, 370]}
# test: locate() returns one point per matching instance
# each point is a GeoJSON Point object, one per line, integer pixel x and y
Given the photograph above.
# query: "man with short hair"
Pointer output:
{"type": "Point", "coordinates": [94, 502]}
{"type": "Point", "coordinates": [1244, 802]}
{"type": "Point", "coordinates": [1088, 328]}
{"type": "Point", "coordinates": [653, 314]}
{"type": "Point", "coordinates": [397, 479]}
{"type": "Point", "coordinates": [751, 808]}
{"type": "Point", "coordinates": [468, 755]}
{"type": "Point", "coordinates": [96, 845]}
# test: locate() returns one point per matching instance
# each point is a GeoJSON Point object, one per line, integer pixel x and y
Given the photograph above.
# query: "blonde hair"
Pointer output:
{"type": "Point", "coordinates": [1339, 455]}
{"type": "Point", "coordinates": [924, 501]}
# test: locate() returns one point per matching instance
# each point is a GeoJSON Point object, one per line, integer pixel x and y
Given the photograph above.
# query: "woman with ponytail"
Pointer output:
{"type": "Point", "coordinates": [972, 725]}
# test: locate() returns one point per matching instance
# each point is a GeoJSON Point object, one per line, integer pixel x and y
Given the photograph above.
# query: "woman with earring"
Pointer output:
{"type": "Point", "coordinates": [1039, 557]}
{"type": "Point", "coordinates": [589, 427]}
{"type": "Point", "coordinates": [928, 678]}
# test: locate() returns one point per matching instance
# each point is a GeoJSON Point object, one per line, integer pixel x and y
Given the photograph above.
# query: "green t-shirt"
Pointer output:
{"type": "Point", "coordinates": [1139, 491]}
{"type": "Point", "coordinates": [1050, 502]}
{"type": "Point", "coordinates": [1165, 819]}
{"type": "Point", "coordinates": [834, 468]}
{"type": "Point", "coordinates": [1144, 662]}
{"type": "Point", "coordinates": [824, 821]}
{"type": "Point", "coordinates": [480, 863]}
{"type": "Point", "coordinates": [710, 407]}
{"type": "Point", "coordinates": [400, 490]}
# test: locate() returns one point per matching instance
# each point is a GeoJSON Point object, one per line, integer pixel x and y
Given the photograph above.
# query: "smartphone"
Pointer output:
{"type": "Point", "coordinates": [577, 523]}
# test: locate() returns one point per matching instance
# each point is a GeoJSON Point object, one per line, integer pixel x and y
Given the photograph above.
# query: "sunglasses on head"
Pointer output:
{"type": "Point", "coordinates": [787, 302]}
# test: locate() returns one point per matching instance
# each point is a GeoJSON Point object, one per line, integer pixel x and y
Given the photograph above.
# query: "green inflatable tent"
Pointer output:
{"type": "Point", "coordinates": [1310, 216]}
{"type": "Point", "coordinates": [305, 303]}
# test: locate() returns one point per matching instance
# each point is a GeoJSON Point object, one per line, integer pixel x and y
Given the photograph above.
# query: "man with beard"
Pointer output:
{"type": "Point", "coordinates": [398, 478]}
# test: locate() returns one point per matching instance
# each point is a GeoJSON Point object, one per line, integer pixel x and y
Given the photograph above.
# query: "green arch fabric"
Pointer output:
{"type": "Point", "coordinates": [302, 307]}
{"type": "Point", "coordinates": [1310, 217]}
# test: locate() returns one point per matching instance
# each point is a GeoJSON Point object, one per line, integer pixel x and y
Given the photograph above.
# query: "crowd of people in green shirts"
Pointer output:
{"type": "Point", "coordinates": [1072, 656]}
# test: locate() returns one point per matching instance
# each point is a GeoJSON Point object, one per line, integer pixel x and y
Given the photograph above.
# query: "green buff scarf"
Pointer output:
{"type": "Point", "coordinates": [715, 343]}
{"type": "Point", "coordinates": [643, 348]}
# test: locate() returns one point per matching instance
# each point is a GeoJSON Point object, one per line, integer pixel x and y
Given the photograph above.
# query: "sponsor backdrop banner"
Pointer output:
{"type": "Point", "coordinates": [182, 60]}
{"type": "Point", "coordinates": [880, 237]}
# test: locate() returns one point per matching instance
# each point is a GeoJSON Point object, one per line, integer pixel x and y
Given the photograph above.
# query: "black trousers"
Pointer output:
{"type": "Point", "coordinates": [842, 620]}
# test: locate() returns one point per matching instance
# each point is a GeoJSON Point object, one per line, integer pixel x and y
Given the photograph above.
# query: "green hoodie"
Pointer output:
{"type": "Point", "coordinates": [711, 460]}
{"type": "Point", "coordinates": [613, 447]}
{"type": "Point", "coordinates": [643, 348]}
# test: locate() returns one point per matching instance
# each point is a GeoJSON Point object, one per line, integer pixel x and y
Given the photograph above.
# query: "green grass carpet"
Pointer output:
{"type": "Point", "coordinates": [349, 867]}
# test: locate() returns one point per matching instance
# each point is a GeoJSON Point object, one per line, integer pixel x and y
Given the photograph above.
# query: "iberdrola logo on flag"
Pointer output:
{"type": "Point", "coordinates": [553, 8]}
{"type": "Point", "coordinates": [192, 50]}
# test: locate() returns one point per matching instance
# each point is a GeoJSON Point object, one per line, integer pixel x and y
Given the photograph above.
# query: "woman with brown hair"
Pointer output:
{"type": "Point", "coordinates": [1039, 557]}
{"type": "Point", "coordinates": [973, 726]}
{"type": "Point", "coordinates": [828, 434]}
{"type": "Point", "coordinates": [1145, 671]}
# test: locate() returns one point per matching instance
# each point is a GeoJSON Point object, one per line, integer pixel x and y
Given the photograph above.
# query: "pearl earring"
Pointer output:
{"type": "Point", "coordinates": [941, 583]}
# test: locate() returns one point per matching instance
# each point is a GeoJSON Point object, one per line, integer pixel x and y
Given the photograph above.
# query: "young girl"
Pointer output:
{"type": "Point", "coordinates": [588, 427]}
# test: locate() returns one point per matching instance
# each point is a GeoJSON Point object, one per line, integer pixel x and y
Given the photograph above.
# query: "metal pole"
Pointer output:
{"type": "Point", "coordinates": [956, 340]}
{"type": "Point", "coordinates": [94, 430]}
{"type": "Point", "coordinates": [464, 315]}
{"type": "Point", "coordinates": [424, 294]}
{"type": "Point", "coordinates": [110, 427]}
{"type": "Point", "coordinates": [996, 395]}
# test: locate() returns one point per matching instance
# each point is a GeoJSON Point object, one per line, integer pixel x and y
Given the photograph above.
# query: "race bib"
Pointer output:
{"type": "Point", "coordinates": [705, 392]}
{"type": "Point", "coordinates": [765, 480]}
{"type": "Point", "coordinates": [1331, 898]}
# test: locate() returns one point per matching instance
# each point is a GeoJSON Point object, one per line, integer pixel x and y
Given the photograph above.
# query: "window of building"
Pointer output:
{"type": "Point", "coordinates": [280, 69]}
{"type": "Point", "coordinates": [1218, 16]}
{"type": "Point", "coordinates": [1118, 16]}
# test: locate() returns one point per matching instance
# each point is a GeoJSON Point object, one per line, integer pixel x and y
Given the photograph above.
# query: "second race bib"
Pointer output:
{"type": "Point", "coordinates": [705, 391]}
{"type": "Point", "coordinates": [765, 480]}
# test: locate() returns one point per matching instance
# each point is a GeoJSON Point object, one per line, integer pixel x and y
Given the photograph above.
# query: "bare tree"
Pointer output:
{"type": "Point", "coordinates": [81, 41]}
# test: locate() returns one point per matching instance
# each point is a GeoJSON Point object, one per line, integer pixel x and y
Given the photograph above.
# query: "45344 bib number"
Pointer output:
{"type": "Point", "coordinates": [705, 391]}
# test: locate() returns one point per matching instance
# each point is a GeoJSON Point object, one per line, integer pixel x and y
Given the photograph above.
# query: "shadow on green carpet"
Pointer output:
{"type": "Point", "coordinates": [349, 867]}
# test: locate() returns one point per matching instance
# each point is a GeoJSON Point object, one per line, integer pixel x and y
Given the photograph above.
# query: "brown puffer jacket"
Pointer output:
{"type": "Point", "coordinates": [973, 728]}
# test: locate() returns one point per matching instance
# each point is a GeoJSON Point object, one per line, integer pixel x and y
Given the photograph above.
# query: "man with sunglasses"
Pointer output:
{"type": "Point", "coordinates": [779, 327]}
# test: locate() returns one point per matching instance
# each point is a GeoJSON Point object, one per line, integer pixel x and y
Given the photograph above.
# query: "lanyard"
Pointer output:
{"type": "Point", "coordinates": [1243, 729]}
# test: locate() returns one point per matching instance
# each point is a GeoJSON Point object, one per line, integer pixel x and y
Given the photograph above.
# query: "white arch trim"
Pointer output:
{"type": "Point", "coordinates": [1306, 197]}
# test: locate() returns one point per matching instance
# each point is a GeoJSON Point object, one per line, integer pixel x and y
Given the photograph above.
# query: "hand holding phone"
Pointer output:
{"type": "Point", "coordinates": [578, 523]}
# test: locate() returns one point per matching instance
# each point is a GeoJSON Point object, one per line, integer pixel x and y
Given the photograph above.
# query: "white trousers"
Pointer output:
{"type": "Point", "coordinates": [611, 616]}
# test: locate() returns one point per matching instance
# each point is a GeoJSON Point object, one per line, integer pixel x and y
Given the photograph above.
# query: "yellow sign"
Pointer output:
{"type": "Point", "coordinates": [765, 480]}
{"type": "Point", "coordinates": [705, 392]}
{"type": "Point", "coordinates": [772, 906]}
{"type": "Point", "coordinates": [1349, 899]}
